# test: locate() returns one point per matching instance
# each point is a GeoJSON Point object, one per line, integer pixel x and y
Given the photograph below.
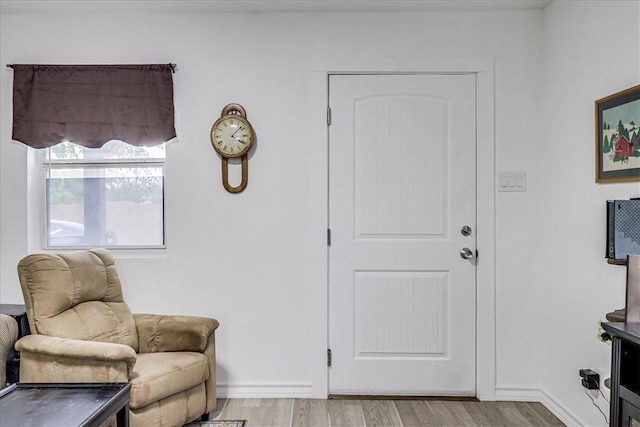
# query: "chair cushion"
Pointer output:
{"type": "Point", "coordinates": [158, 375]}
{"type": "Point", "coordinates": [76, 295]}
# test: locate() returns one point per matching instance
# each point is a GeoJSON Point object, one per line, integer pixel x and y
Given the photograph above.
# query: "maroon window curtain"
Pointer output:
{"type": "Point", "coordinates": [92, 104]}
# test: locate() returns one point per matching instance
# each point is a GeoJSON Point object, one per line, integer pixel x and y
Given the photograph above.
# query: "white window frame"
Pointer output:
{"type": "Point", "coordinates": [38, 227]}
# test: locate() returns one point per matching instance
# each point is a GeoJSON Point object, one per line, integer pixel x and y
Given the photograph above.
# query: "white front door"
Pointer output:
{"type": "Point", "coordinates": [402, 159]}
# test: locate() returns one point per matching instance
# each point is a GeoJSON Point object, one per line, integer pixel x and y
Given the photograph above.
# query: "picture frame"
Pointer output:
{"type": "Point", "coordinates": [618, 137]}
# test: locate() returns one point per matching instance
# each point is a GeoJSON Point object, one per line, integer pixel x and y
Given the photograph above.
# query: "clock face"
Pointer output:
{"type": "Point", "coordinates": [231, 136]}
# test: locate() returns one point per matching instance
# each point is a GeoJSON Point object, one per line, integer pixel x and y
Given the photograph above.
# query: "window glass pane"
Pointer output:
{"type": "Point", "coordinates": [111, 150]}
{"type": "Point", "coordinates": [112, 206]}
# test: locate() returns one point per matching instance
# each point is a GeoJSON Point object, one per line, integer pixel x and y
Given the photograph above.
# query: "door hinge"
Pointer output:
{"type": "Point", "coordinates": [329, 357]}
{"type": "Point", "coordinates": [329, 116]}
{"type": "Point", "coordinates": [328, 237]}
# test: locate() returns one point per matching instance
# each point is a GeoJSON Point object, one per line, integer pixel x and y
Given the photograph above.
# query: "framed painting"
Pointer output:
{"type": "Point", "coordinates": [618, 137]}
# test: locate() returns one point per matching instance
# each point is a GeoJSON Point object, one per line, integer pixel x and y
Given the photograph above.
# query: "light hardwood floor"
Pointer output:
{"type": "Point", "coordinates": [382, 413]}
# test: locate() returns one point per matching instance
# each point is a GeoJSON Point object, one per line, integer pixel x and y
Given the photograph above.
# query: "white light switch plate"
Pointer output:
{"type": "Point", "coordinates": [512, 181]}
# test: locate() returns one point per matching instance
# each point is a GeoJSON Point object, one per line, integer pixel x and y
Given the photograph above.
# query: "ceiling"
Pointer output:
{"type": "Point", "coordinates": [258, 6]}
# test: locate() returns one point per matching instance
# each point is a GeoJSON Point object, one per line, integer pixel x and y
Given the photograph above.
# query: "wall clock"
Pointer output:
{"type": "Point", "coordinates": [232, 137]}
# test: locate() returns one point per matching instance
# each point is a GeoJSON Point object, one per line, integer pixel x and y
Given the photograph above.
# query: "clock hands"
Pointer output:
{"type": "Point", "coordinates": [239, 139]}
{"type": "Point", "coordinates": [233, 135]}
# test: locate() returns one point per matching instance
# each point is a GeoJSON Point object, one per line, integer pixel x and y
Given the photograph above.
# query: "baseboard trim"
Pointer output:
{"type": "Point", "coordinates": [256, 391]}
{"type": "Point", "coordinates": [525, 394]}
{"type": "Point", "coordinates": [518, 394]}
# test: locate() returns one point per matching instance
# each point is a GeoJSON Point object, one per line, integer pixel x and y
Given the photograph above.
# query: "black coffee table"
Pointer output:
{"type": "Point", "coordinates": [72, 404]}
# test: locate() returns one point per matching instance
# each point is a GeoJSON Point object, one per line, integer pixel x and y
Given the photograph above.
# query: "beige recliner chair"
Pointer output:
{"type": "Point", "coordinates": [83, 331]}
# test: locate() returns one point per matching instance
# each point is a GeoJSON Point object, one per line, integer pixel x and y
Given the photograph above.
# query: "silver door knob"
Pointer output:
{"type": "Point", "coordinates": [466, 253]}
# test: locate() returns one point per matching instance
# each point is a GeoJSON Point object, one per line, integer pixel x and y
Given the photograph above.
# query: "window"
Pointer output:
{"type": "Point", "coordinates": [109, 197]}
{"type": "Point", "coordinates": [100, 191]}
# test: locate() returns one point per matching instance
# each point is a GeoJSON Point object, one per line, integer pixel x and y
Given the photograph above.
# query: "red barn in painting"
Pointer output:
{"type": "Point", "coordinates": [623, 148]}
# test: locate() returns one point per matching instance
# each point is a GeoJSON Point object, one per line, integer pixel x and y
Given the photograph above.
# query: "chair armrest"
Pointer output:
{"type": "Point", "coordinates": [157, 332]}
{"type": "Point", "coordinates": [90, 351]}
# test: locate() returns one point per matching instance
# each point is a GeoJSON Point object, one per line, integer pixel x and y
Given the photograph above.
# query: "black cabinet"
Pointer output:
{"type": "Point", "coordinates": [625, 373]}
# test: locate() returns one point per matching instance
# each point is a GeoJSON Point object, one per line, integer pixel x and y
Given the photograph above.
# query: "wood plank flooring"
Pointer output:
{"type": "Point", "coordinates": [382, 413]}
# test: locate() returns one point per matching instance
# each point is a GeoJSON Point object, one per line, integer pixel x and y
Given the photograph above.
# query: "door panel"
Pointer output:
{"type": "Point", "coordinates": [402, 185]}
{"type": "Point", "coordinates": [387, 159]}
{"type": "Point", "coordinates": [399, 313]}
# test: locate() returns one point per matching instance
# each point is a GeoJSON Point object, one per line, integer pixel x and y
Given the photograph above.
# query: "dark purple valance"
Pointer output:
{"type": "Point", "coordinates": [93, 104]}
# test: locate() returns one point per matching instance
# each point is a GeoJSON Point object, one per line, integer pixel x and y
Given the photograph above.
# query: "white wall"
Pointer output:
{"type": "Point", "coordinates": [263, 298]}
{"type": "Point", "coordinates": [590, 52]}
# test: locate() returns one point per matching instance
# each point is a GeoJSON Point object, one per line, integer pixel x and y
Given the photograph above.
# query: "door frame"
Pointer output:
{"type": "Point", "coordinates": [483, 68]}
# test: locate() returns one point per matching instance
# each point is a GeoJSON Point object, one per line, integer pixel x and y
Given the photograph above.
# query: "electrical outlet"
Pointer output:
{"type": "Point", "coordinates": [590, 379]}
